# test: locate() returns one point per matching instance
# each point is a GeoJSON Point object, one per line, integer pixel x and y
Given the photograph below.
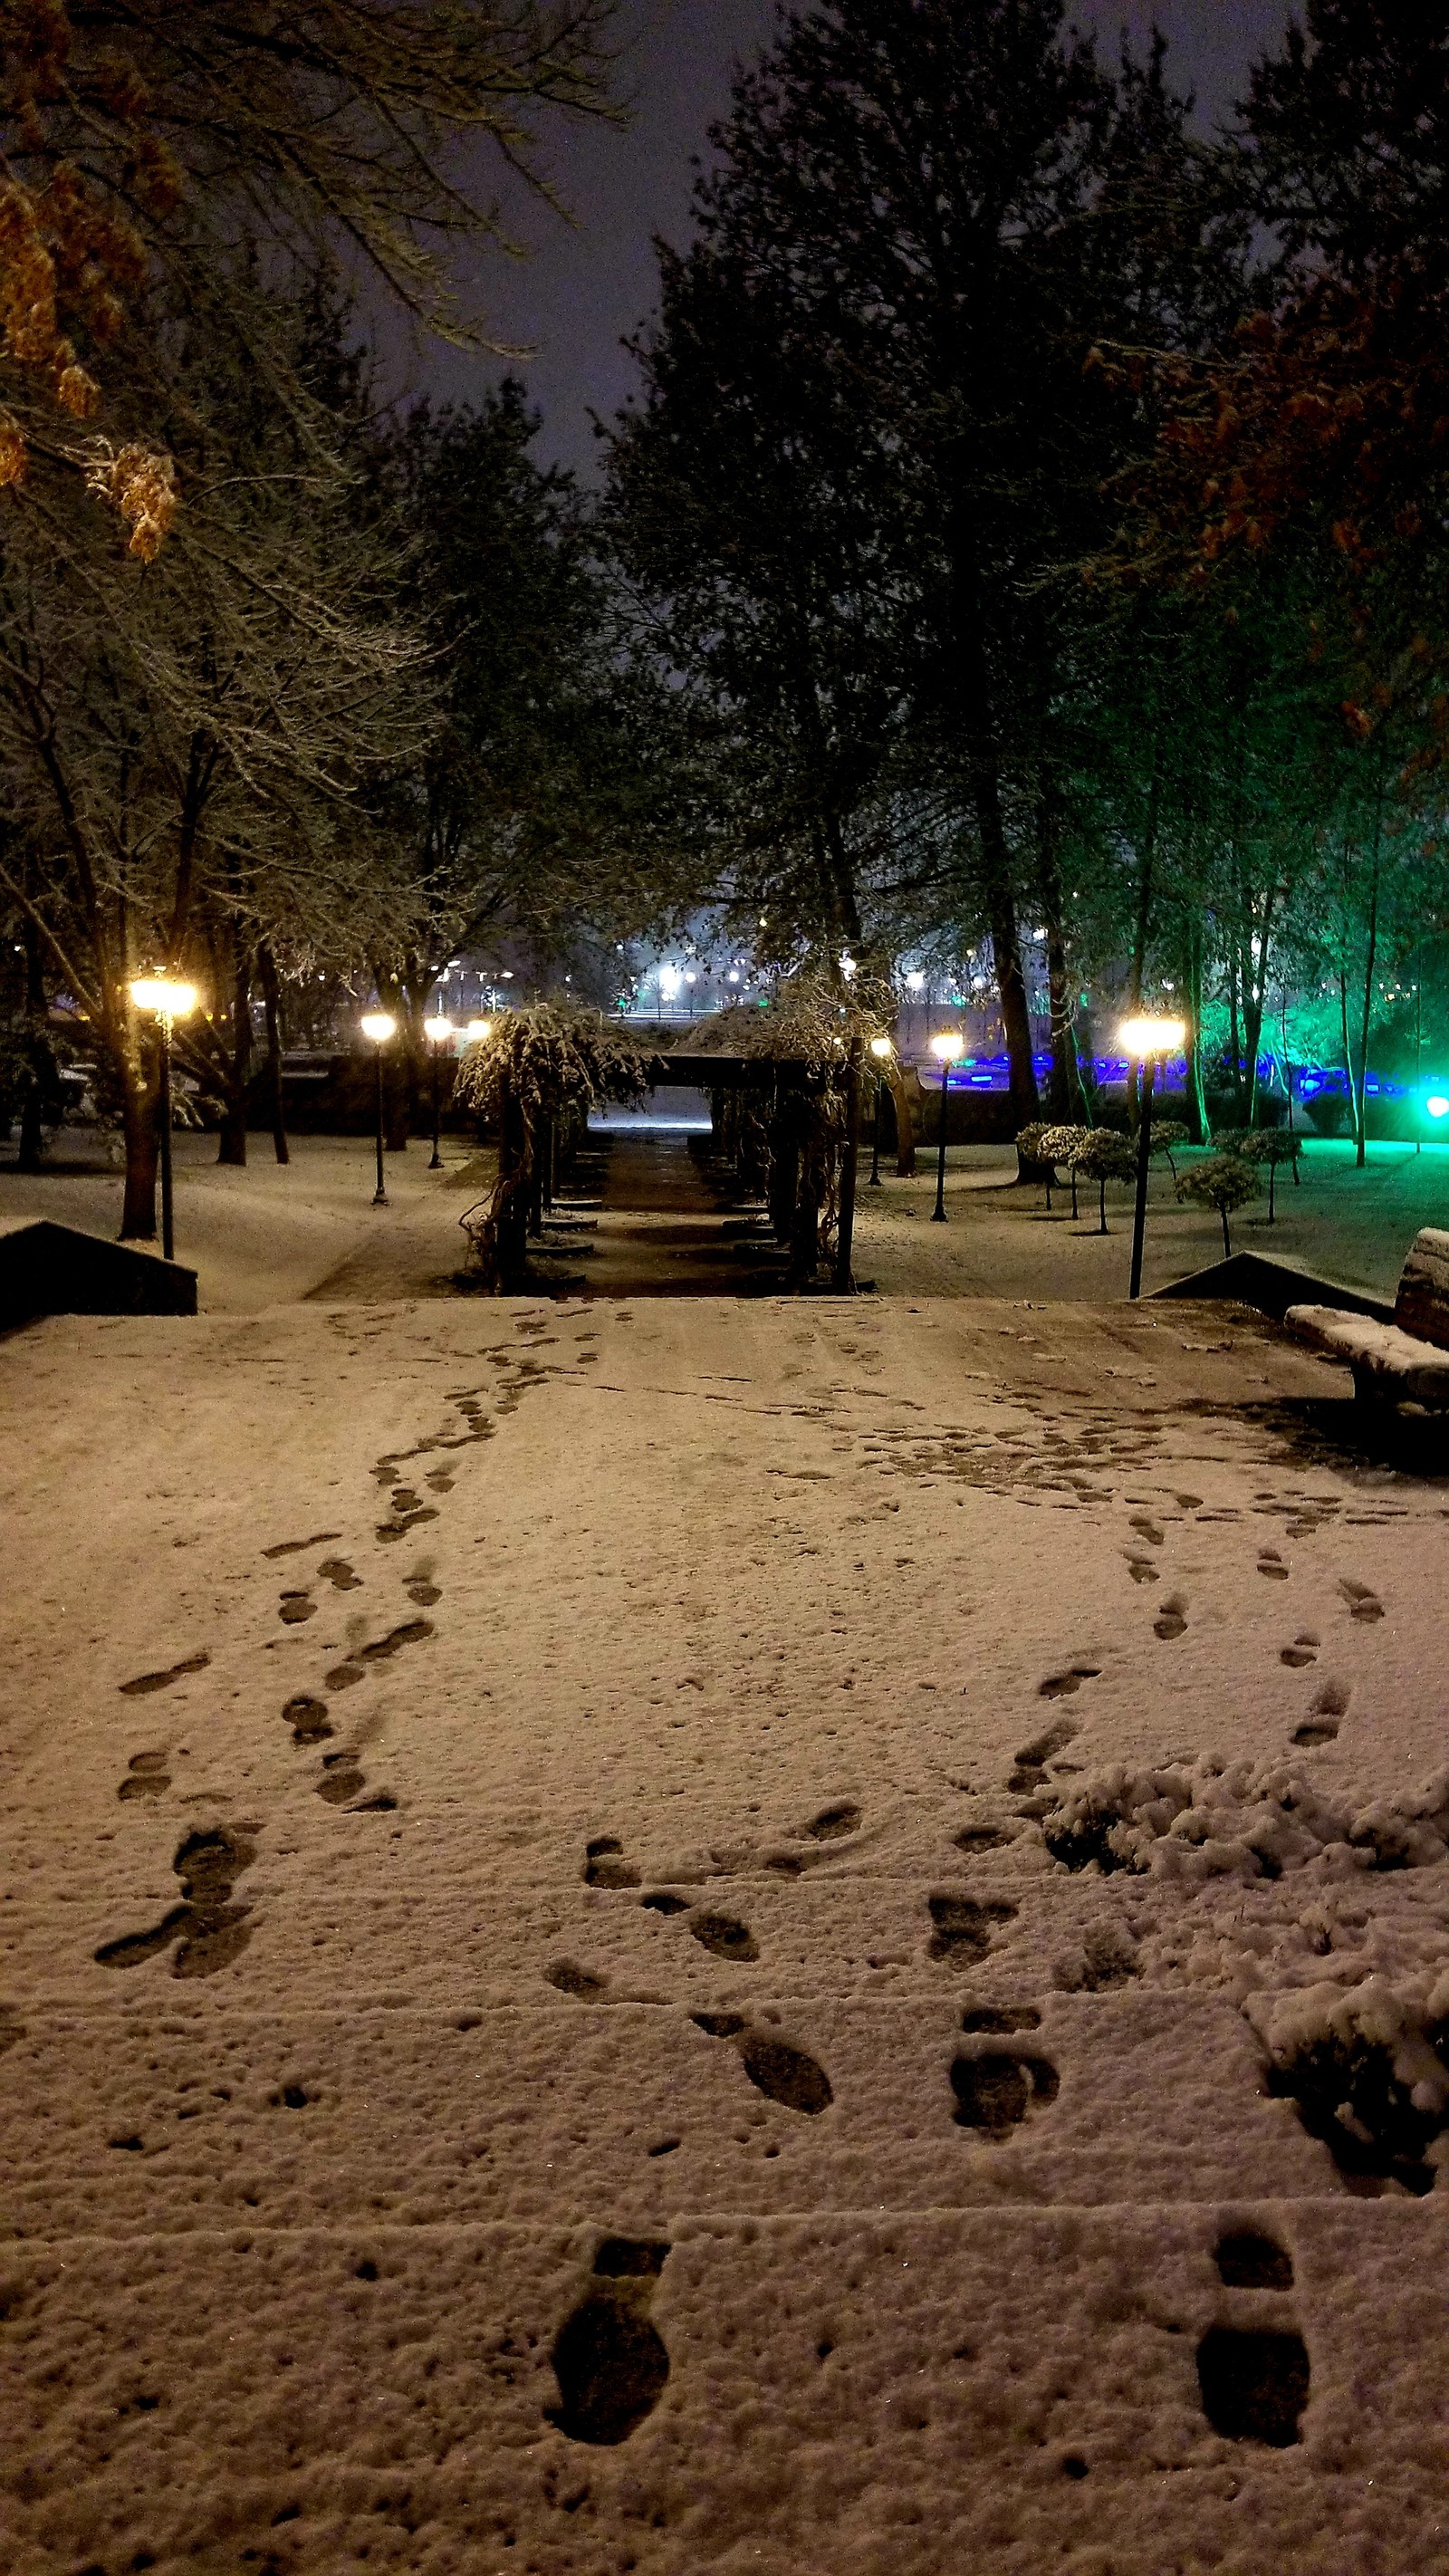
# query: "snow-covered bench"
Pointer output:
{"type": "Point", "coordinates": [1406, 1361]}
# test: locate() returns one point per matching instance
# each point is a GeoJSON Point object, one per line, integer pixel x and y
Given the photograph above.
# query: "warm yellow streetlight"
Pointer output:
{"type": "Point", "coordinates": [162, 994]}
{"type": "Point", "coordinates": [946, 1046]}
{"type": "Point", "coordinates": [379, 1026]}
{"type": "Point", "coordinates": [476, 1031]}
{"type": "Point", "coordinates": [437, 1032]}
{"type": "Point", "coordinates": [1146, 1038]}
{"type": "Point", "coordinates": [882, 1047]}
{"type": "Point", "coordinates": [170, 1001]}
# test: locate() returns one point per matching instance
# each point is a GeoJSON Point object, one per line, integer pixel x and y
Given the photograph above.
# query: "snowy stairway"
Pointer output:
{"type": "Point", "coordinates": [914, 2185]}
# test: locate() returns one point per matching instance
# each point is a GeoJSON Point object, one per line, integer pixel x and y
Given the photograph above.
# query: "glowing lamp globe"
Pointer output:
{"type": "Point", "coordinates": [946, 1046]}
{"type": "Point", "coordinates": [1437, 1105]}
{"type": "Point", "coordinates": [379, 1026]}
{"type": "Point", "coordinates": [437, 1032]}
{"type": "Point", "coordinates": [169, 1000]}
{"type": "Point", "coordinates": [881, 1047]}
{"type": "Point", "coordinates": [477, 1030]}
{"type": "Point", "coordinates": [1144, 1037]}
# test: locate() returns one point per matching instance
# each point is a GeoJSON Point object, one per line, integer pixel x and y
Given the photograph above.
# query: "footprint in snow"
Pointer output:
{"type": "Point", "coordinates": [295, 1546]}
{"type": "Point", "coordinates": [1033, 1758]}
{"type": "Point", "coordinates": [308, 1719]}
{"type": "Point", "coordinates": [1171, 1619]}
{"type": "Point", "coordinates": [570, 1979]}
{"type": "Point", "coordinates": [995, 2088]}
{"type": "Point", "coordinates": [207, 1928]}
{"type": "Point", "coordinates": [1362, 1603]}
{"type": "Point", "coordinates": [1142, 1570]}
{"type": "Point", "coordinates": [1062, 1685]}
{"type": "Point", "coordinates": [605, 1865]}
{"type": "Point", "coordinates": [781, 2072]}
{"type": "Point", "coordinates": [1304, 1650]}
{"type": "Point", "coordinates": [1330, 1706]}
{"type": "Point", "coordinates": [1149, 1530]}
{"type": "Point", "coordinates": [724, 1936]}
{"type": "Point", "coordinates": [1254, 2386]}
{"type": "Point", "coordinates": [1248, 2261]}
{"type": "Point", "coordinates": [380, 1651]}
{"type": "Point", "coordinates": [962, 1927]}
{"type": "Point", "coordinates": [343, 1780]}
{"type": "Point", "coordinates": [1271, 1564]}
{"type": "Point", "coordinates": [834, 1823]}
{"type": "Point", "coordinates": [146, 1777]}
{"type": "Point", "coordinates": [609, 2357]}
{"type": "Point", "coordinates": [983, 1838]}
{"type": "Point", "coordinates": [295, 1607]}
{"type": "Point", "coordinates": [336, 1571]}
{"type": "Point", "coordinates": [145, 1683]}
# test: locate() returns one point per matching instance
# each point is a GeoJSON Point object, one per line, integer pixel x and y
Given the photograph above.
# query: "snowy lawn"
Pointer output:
{"type": "Point", "coordinates": [721, 1936]}
{"type": "Point", "coordinates": [270, 1233]}
{"type": "Point", "coordinates": [1346, 1225]}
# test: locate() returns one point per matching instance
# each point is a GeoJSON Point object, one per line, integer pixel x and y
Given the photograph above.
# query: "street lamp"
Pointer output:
{"type": "Point", "coordinates": [437, 1032]}
{"type": "Point", "coordinates": [1146, 1039]}
{"type": "Point", "coordinates": [476, 1031]}
{"type": "Point", "coordinates": [170, 1002]}
{"type": "Point", "coordinates": [882, 1050]}
{"type": "Point", "coordinates": [379, 1026]}
{"type": "Point", "coordinates": [946, 1046]}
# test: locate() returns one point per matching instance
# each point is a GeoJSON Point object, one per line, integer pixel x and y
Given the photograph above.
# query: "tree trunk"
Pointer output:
{"type": "Point", "coordinates": [138, 1124]}
{"type": "Point", "coordinates": [266, 968]}
{"type": "Point", "coordinates": [40, 1055]}
{"type": "Point", "coordinates": [1370, 962]}
{"type": "Point", "coordinates": [512, 1246]}
{"type": "Point", "coordinates": [905, 1130]}
{"type": "Point", "coordinates": [1235, 1037]}
{"type": "Point", "coordinates": [1227, 1246]}
{"type": "Point", "coordinates": [1355, 1097]}
{"type": "Point", "coordinates": [233, 1146]}
{"type": "Point", "coordinates": [1196, 1088]}
{"type": "Point", "coordinates": [1137, 971]}
{"type": "Point", "coordinates": [978, 725]}
{"type": "Point", "coordinates": [1064, 1082]}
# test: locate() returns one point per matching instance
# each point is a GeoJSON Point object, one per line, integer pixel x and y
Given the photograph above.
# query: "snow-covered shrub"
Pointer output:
{"type": "Point", "coordinates": [1105, 1156]}
{"type": "Point", "coordinates": [1167, 1135]}
{"type": "Point", "coordinates": [1245, 1819]}
{"type": "Point", "coordinates": [1367, 2069]}
{"type": "Point", "coordinates": [1060, 1146]}
{"type": "Point", "coordinates": [1224, 1182]}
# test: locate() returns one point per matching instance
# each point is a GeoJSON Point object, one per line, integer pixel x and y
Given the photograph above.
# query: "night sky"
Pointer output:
{"type": "Point", "coordinates": [582, 290]}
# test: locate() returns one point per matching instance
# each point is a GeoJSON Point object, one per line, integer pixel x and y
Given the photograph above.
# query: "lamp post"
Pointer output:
{"type": "Point", "coordinates": [379, 1026]}
{"type": "Point", "coordinates": [946, 1046]}
{"type": "Point", "coordinates": [437, 1032]}
{"type": "Point", "coordinates": [170, 1002]}
{"type": "Point", "coordinates": [1146, 1040]}
{"type": "Point", "coordinates": [882, 1050]}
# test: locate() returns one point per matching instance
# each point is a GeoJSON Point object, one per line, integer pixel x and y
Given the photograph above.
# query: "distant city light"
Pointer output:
{"type": "Point", "coordinates": [915, 981]}
{"type": "Point", "coordinates": [668, 983]}
{"type": "Point", "coordinates": [1437, 1105]}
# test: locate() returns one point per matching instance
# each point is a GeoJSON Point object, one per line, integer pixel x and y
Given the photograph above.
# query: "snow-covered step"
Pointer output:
{"type": "Point", "coordinates": [1003, 2390]}
{"type": "Point", "coordinates": [115, 2123]}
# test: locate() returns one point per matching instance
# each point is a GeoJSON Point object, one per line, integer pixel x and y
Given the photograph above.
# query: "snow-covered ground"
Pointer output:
{"type": "Point", "coordinates": [719, 1936]}
{"type": "Point", "coordinates": [265, 1236]}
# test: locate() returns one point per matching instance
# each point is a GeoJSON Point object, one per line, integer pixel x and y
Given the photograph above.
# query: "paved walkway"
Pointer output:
{"type": "Point", "coordinates": [716, 1936]}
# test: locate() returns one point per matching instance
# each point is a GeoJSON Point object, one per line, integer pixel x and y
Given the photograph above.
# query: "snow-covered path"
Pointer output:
{"type": "Point", "coordinates": [718, 1936]}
